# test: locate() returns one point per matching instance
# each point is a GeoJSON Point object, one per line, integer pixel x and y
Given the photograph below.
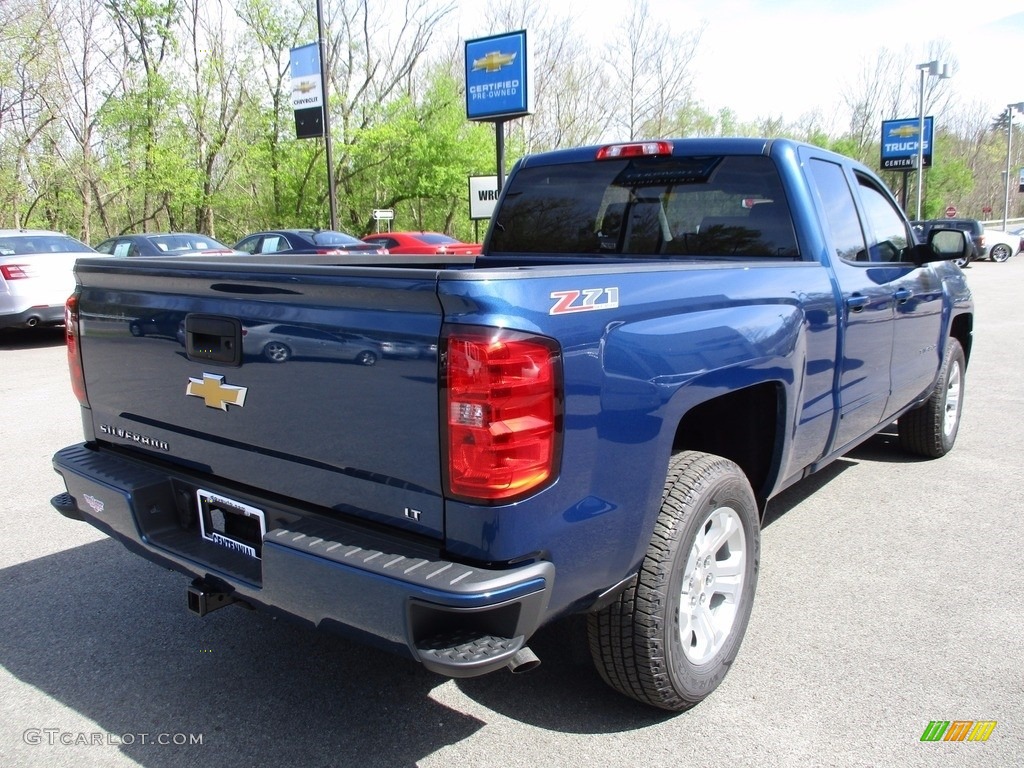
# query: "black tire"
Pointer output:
{"type": "Point", "coordinates": [367, 358]}
{"type": "Point", "coordinates": [999, 253]}
{"type": "Point", "coordinates": [962, 263]}
{"type": "Point", "coordinates": [276, 352]}
{"type": "Point", "coordinates": [642, 644]}
{"type": "Point", "coordinates": [135, 329]}
{"type": "Point", "coordinates": [930, 429]}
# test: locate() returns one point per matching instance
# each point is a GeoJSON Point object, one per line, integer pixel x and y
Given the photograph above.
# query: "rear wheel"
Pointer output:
{"type": "Point", "coordinates": [367, 358]}
{"type": "Point", "coordinates": [670, 638]}
{"type": "Point", "coordinates": [931, 428]}
{"type": "Point", "coordinates": [276, 352]}
{"type": "Point", "coordinates": [1000, 252]}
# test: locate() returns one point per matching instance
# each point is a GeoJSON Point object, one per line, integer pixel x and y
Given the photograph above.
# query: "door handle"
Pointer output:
{"type": "Point", "coordinates": [903, 295]}
{"type": "Point", "coordinates": [857, 302]}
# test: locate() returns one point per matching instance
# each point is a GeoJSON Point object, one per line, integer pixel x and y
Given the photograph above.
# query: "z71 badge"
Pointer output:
{"type": "Point", "coordinates": [585, 300]}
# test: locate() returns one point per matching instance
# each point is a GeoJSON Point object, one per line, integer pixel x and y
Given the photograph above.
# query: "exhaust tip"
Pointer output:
{"type": "Point", "coordinates": [524, 661]}
{"type": "Point", "coordinates": [32, 322]}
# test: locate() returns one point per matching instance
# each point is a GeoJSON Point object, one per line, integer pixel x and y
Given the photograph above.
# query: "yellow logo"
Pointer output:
{"type": "Point", "coordinates": [215, 393]}
{"type": "Point", "coordinates": [904, 131]}
{"type": "Point", "coordinates": [304, 86]}
{"type": "Point", "coordinates": [493, 61]}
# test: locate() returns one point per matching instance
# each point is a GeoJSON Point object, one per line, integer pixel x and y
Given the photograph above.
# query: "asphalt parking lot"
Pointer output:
{"type": "Point", "coordinates": [889, 596]}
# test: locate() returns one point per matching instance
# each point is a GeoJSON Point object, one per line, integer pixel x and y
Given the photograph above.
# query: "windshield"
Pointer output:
{"type": "Point", "coordinates": [336, 238]}
{"type": "Point", "coordinates": [25, 244]}
{"type": "Point", "coordinates": [185, 242]}
{"type": "Point", "coordinates": [719, 206]}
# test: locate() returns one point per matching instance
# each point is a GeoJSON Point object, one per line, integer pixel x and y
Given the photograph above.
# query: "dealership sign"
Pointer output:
{"type": "Point", "coordinates": [900, 143]}
{"type": "Point", "coordinates": [498, 74]}
{"type": "Point", "coordinates": [307, 91]}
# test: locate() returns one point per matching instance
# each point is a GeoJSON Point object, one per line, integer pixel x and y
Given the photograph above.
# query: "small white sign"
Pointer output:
{"type": "Point", "coordinates": [483, 196]}
{"type": "Point", "coordinates": [383, 214]}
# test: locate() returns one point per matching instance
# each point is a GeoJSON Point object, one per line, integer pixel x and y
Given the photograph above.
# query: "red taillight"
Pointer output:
{"type": "Point", "coordinates": [503, 413]}
{"type": "Point", "coordinates": [635, 149]}
{"type": "Point", "coordinates": [14, 271]}
{"type": "Point", "coordinates": [74, 350]}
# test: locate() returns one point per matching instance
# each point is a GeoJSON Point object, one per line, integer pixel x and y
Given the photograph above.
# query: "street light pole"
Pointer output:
{"type": "Point", "coordinates": [1019, 106]}
{"type": "Point", "coordinates": [941, 71]}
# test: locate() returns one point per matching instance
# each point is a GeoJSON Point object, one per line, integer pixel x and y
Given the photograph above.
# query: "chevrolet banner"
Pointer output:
{"type": "Point", "coordinates": [307, 91]}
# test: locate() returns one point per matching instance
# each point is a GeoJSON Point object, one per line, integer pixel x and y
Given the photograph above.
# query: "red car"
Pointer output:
{"type": "Point", "coordinates": [423, 243]}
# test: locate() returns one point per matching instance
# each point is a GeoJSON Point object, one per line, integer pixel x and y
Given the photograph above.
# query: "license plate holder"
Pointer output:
{"type": "Point", "coordinates": [231, 524]}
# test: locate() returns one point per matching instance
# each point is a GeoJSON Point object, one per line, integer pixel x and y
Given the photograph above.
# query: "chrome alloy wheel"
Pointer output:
{"type": "Point", "coordinates": [954, 389]}
{"type": "Point", "coordinates": [712, 585]}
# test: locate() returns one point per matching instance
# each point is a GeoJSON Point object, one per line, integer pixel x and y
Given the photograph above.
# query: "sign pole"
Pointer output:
{"type": "Point", "coordinates": [327, 113]}
{"type": "Point", "coordinates": [499, 145]}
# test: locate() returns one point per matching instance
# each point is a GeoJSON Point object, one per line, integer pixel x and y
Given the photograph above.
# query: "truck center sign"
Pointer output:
{"type": "Point", "coordinates": [899, 143]}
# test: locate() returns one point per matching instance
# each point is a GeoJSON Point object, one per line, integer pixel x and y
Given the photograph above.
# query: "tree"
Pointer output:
{"type": "Point", "coordinates": [139, 115]}
{"type": "Point", "coordinates": [25, 75]}
{"type": "Point", "coordinates": [276, 28]}
{"type": "Point", "coordinates": [650, 74]}
{"type": "Point", "coordinates": [216, 93]}
{"type": "Point", "coordinates": [88, 66]}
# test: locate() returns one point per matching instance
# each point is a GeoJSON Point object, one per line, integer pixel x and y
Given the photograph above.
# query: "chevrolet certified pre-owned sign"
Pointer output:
{"type": "Point", "coordinates": [498, 77]}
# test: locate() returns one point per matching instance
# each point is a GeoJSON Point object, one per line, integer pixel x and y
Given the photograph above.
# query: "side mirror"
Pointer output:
{"type": "Point", "coordinates": [943, 245]}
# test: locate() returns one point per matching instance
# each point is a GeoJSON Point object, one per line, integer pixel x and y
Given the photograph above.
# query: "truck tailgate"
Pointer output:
{"type": "Point", "coordinates": [332, 399]}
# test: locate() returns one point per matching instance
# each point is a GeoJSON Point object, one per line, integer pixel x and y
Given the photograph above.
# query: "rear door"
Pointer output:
{"type": "Point", "coordinates": [866, 323]}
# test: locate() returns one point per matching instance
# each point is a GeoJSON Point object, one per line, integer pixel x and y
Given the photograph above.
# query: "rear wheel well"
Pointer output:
{"type": "Point", "coordinates": [742, 426]}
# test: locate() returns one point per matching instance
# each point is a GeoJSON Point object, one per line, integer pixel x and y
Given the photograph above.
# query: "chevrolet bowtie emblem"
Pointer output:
{"type": "Point", "coordinates": [493, 61]}
{"type": "Point", "coordinates": [215, 393]}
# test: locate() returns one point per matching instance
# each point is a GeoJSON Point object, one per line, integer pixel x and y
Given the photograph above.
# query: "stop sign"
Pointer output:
{"type": "Point", "coordinates": [950, 211]}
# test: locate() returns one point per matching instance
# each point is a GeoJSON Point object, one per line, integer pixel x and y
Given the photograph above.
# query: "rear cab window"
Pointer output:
{"type": "Point", "coordinates": [648, 207]}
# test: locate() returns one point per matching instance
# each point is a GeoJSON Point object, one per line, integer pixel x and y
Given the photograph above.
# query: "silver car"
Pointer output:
{"type": "Point", "coordinates": [36, 276]}
{"type": "Point", "coordinates": [278, 343]}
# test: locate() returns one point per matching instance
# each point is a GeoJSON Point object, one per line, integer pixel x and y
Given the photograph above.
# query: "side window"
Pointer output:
{"type": "Point", "coordinates": [248, 245]}
{"type": "Point", "coordinates": [123, 249]}
{"type": "Point", "coordinates": [273, 244]}
{"type": "Point", "coordinates": [887, 225]}
{"type": "Point", "coordinates": [840, 210]}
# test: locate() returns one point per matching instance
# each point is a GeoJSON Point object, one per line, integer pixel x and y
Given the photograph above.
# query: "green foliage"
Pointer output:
{"type": "Point", "coordinates": [946, 182]}
{"type": "Point", "coordinates": [185, 140]}
{"type": "Point", "coordinates": [416, 158]}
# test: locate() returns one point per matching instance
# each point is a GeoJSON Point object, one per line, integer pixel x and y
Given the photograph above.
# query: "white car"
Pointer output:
{"type": "Point", "coordinates": [36, 276]}
{"type": "Point", "coordinates": [999, 245]}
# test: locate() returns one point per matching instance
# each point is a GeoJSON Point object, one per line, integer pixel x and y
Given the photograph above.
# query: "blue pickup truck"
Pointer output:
{"type": "Point", "coordinates": [440, 455]}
